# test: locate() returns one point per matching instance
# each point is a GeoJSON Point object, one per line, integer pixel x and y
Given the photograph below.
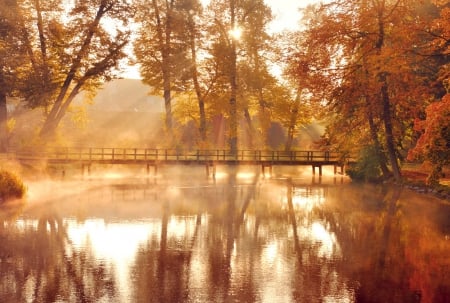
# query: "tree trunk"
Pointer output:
{"type": "Point", "coordinates": [263, 118]}
{"type": "Point", "coordinates": [386, 103]}
{"type": "Point", "coordinates": [374, 134]}
{"type": "Point", "coordinates": [251, 130]}
{"type": "Point", "coordinates": [198, 91]}
{"type": "Point", "coordinates": [164, 46]}
{"type": "Point", "coordinates": [387, 119]}
{"type": "Point", "coordinates": [233, 88]}
{"type": "Point", "coordinates": [168, 106]}
{"type": "Point", "coordinates": [292, 122]}
{"type": "Point", "coordinates": [3, 121]}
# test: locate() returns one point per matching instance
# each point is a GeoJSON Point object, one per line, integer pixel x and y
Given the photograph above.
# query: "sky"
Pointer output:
{"type": "Point", "coordinates": [286, 12]}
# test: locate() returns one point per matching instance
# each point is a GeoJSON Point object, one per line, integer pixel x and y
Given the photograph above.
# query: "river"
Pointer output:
{"type": "Point", "coordinates": [241, 237]}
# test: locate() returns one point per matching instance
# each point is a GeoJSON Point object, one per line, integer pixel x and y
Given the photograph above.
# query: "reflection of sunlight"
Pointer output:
{"type": "Point", "coordinates": [178, 228]}
{"type": "Point", "coordinates": [221, 175]}
{"type": "Point", "coordinates": [327, 239]}
{"type": "Point", "coordinates": [22, 224]}
{"type": "Point", "coordinates": [306, 199]}
{"type": "Point", "coordinates": [277, 272]}
{"type": "Point", "coordinates": [270, 253]}
{"type": "Point", "coordinates": [318, 233]}
{"type": "Point", "coordinates": [245, 175]}
{"type": "Point", "coordinates": [111, 175]}
{"type": "Point", "coordinates": [108, 240]}
{"type": "Point", "coordinates": [111, 242]}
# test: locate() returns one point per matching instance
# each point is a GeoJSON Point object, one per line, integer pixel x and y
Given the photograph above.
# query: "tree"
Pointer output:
{"type": "Point", "coordinates": [69, 49]}
{"type": "Point", "coordinates": [11, 58]}
{"type": "Point", "coordinates": [194, 37]}
{"type": "Point", "coordinates": [434, 142]}
{"type": "Point", "coordinates": [365, 52]}
{"type": "Point", "coordinates": [240, 41]}
{"type": "Point", "coordinates": [162, 48]}
{"type": "Point", "coordinates": [92, 55]}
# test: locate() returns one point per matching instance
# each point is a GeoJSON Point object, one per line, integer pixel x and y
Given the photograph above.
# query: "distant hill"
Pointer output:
{"type": "Point", "coordinates": [122, 114]}
{"type": "Point", "coordinates": [126, 95]}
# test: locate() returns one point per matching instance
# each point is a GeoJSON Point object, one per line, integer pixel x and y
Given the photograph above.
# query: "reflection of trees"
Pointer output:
{"type": "Point", "coordinates": [164, 266]}
{"type": "Point", "coordinates": [381, 243]}
{"type": "Point", "coordinates": [315, 276]}
{"type": "Point", "coordinates": [225, 236]}
{"type": "Point", "coordinates": [41, 265]}
{"type": "Point", "coordinates": [369, 236]}
{"type": "Point", "coordinates": [161, 269]}
{"type": "Point", "coordinates": [211, 244]}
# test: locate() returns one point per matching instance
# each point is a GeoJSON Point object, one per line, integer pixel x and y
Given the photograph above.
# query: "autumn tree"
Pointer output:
{"type": "Point", "coordinates": [70, 48]}
{"type": "Point", "coordinates": [80, 51]}
{"type": "Point", "coordinates": [434, 141]}
{"type": "Point", "coordinates": [162, 49]}
{"type": "Point", "coordinates": [225, 32]}
{"type": "Point", "coordinates": [193, 10]}
{"type": "Point", "coordinates": [10, 60]}
{"type": "Point", "coordinates": [239, 47]}
{"type": "Point", "coordinates": [203, 75]}
{"type": "Point", "coordinates": [372, 87]}
{"type": "Point", "coordinates": [254, 76]}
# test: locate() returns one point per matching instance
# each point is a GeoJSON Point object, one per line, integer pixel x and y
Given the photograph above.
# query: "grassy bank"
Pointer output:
{"type": "Point", "coordinates": [11, 186]}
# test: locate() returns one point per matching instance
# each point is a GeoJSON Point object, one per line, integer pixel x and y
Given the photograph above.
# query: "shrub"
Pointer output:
{"type": "Point", "coordinates": [10, 186]}
{"type": "Point", "coordinates": [367, 167]}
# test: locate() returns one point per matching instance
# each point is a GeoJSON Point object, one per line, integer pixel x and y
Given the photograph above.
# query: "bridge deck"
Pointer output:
{"type": "Point", "coordinates": [88, 156]}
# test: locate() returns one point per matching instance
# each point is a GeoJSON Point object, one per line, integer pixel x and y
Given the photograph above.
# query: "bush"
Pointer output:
{"type": "Point", "coordinates": [367, 167]}
{"type": "Point", "coordinates": [10, 186]}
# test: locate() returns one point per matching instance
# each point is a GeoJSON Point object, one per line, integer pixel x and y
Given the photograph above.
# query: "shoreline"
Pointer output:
{"type": "Point", "coordinates": [415, 179]}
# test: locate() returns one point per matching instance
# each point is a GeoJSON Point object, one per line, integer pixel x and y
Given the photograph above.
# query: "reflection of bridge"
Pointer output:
{"type": "Point", "coordinates": [210, 158]}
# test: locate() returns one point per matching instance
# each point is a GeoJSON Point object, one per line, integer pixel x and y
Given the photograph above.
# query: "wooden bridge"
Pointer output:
{"type": "Point", "coordinates": [155, 157]}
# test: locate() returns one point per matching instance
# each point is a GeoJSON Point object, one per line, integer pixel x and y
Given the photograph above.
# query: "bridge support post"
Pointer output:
{"type": "Point", "coordinates": [314, 169]}
{"type": "Point", "coordinates": [210, 170]}
{"type": "Point", "coordinates": [263, 168]}
{"type": "Point", "coordinates": [341, 166]}
{"type": "Point", "coordinates": [155, 171]}
{"type": "Point", "coordinates": [87, 166]}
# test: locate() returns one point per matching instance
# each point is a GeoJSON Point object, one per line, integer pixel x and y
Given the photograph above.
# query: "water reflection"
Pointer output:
{"type": "Point", "coordinates": [240, 238]}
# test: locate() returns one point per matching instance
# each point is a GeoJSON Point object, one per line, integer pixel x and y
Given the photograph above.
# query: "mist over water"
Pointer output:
{"type": "Point", "coordinates": [119, 234]}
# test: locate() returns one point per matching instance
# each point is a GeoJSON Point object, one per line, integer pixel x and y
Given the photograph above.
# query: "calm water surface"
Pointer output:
{"type": "Point", "coordinates": [239, 238]}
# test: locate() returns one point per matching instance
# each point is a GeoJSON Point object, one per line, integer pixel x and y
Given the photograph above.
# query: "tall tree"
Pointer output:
{"type": "Point", "coordinates": [371, 69]}
{"type": "Point", "coordinates": [69, 48]}
{"type": "Point", "coordinates": [192, 10]}
{"type": "Point", "coordinates": [434, 141]}
{"type": "Point", "coordinates": [255, 77]}
{"type": "Point", "coordinates": [13, 47]}
{"type": "Point", "coordinates": [162, 49]}
{"type": "Point", "coordinates": [6, 46]}
{"type": "Point", "coordinates": [238, 29]}
{"type": "Point", "coordinates": [84, 49]}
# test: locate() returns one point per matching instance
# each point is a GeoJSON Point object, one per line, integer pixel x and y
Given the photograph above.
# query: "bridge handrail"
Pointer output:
{"type": "Point", "coordinates": [153, 154]}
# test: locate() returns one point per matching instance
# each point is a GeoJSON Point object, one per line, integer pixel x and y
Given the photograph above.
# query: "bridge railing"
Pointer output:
{"type": "Point", "coordinates": [149, 154]}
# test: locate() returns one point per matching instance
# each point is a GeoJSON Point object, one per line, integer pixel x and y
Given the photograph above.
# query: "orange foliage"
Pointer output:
{"type": "Point", "coordinates": [434, 142]}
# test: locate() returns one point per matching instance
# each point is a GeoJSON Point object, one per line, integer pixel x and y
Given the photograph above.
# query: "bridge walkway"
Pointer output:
{"type": "Point", "coordinates": [156, 157]}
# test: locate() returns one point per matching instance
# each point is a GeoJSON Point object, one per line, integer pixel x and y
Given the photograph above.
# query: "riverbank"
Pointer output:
{"type": "Point", "coordinates": [415, 178]}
